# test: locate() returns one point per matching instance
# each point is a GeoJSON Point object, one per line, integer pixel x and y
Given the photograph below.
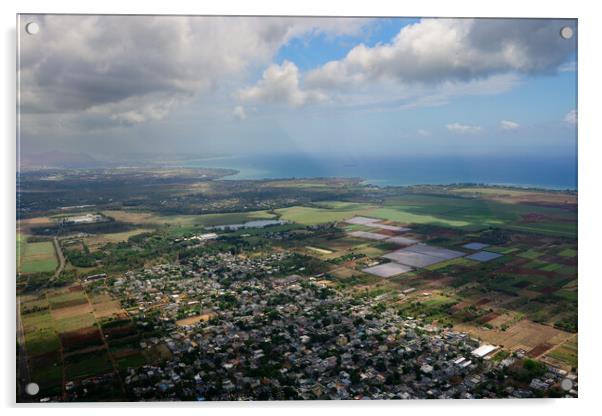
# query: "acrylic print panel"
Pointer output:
{"type": "Point", "coordinates": [295, 208]}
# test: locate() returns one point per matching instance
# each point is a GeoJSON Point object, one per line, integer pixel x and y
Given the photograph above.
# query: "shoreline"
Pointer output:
{"type": "Point", "coordinates": [400, 174]}
{"type": "Point", "coordinates": [374, 182]}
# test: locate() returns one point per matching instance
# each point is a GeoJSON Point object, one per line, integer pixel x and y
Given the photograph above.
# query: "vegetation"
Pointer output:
{"type": "Point", "coordinates": [527, 297]}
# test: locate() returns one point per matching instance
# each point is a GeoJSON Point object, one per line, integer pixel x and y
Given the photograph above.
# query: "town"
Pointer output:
{"type": "Point", "coordinates": [253, 337]}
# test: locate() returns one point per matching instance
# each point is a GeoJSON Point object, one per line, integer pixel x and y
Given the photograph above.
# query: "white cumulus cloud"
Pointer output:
{"type": "Point", "coordinates": [239, 112]}
{"type": "Point", "coordinates": [279, 84]}
{"type": "Point", "coordinates": [571, 117]}
{"type": "Point", "coordinates": [463, 128]}
{"type": "Point", "coordinates": [437, 50]}
{"type": "Point", "coordinates": [509, 125]}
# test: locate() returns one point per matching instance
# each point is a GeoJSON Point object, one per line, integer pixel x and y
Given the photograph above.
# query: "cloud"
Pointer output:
{"type": "Point", "coordinates": [432, 96]}
{"type": "Point", "coordinates": [568, 67]}
{"type": "Point", "coordinates": [424, 133]}
{"type": "Point", "coordinates": [132, 69]}
{"type": "Point", "coordinates": [239, 112]}
{"type": "Point", "coordinates": [509, 125]}
{"type": "Point", "coordinates": [439, 50]}
{"type": "Point", "coordinates": [463, 128]}
{"type": "Point", "coordinates": [279, 84]}
{"type": "Point", "coordinates": [571, 117]}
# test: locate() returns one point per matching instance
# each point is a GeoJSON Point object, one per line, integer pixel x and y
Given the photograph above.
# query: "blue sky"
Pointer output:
{"type": "Point", "coordinates": [246, 85]}
{"type": "Point", "coordinates": [309, 52]}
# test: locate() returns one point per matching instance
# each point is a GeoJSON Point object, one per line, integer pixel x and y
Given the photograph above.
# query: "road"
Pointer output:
{"type": "Point", "coordinates": [60, 256]}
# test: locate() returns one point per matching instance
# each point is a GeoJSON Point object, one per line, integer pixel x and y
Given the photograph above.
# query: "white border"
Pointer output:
{"type": "Point", "coordinates": [589, 187]}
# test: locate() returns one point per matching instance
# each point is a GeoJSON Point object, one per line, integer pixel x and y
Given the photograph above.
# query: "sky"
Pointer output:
{"type": "Point", "coordinates": [114, 85]}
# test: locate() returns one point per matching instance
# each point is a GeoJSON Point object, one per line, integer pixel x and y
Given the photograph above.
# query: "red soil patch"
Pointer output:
{"type": "Point", "coordinates": [81, 338]}
{"type": "Point", "coordinates": [459, 306]}
{"type": "Point", "coordinates": [539, 349]}
{"type": "Point", "coordinates": [119, 332]}
{"type": "Point", "coordinates": [388, 232]}
{"type": "Point", "coordinates": [489, 317]}
{"type": "Point", "coordinates": [69, 303]}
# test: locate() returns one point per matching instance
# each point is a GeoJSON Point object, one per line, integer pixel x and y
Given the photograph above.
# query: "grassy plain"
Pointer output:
{"type": "Point", "coordinates": [442, 210]}
{"type": "Point", "coordinates": [35, 257]}
{"type": "Point", "coordinates": [146, 218]}
{"type": "Point", "coordinates": [312, 216]}
{"type": "Point", "coordinates": [96, 241]}
{"type": "Point", "coordinates": [41, 336]}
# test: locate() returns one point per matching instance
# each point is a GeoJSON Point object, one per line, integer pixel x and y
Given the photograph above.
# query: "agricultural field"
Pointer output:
{"type": "Point", "coordinates": [524, 335]}
{"type": "Point", "coordinates": [35, 257]}
{"type": "Point", "coordinates": [446, 211]}
{"type": "Point", "coordinates": [70, 335]}
{"type": "Point", "coordinates": [331, 212]}
{"type": "Point", "coordinates": [565, 353]}
{"type": "Point", "coordinates": [512, 195]}
{"type": "Point", "coordinates": [206, 220]}
{"type": "Point", "coordinates": [97, 241]}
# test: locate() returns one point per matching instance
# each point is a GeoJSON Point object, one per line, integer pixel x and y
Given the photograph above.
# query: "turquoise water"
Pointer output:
{"type": "Point", "coordinates": [526, 171]}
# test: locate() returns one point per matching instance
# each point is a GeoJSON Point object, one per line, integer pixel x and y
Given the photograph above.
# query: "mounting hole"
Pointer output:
{"type": "Point", "coordinates": [566, 384]}
{"type": "Point", "coordinates": [32, 28]}
{"type": "Point", "coordinates": [566, 32]}
{"type": "Point", "coordinates": [32, 389]}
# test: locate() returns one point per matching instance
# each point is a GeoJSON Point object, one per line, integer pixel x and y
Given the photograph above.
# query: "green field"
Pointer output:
{"type": "Point", "coordinates": [40, 333]}
{"type": "Point", "coordinates": [73, 323]}
{"type": "Point", "coordinates": [87, 364]}
{"type": "Point", "coordinates": [477, 213]}
{"type": "Point", "coordinates": [443, 210]}
{"type": "Point", "coordinates": [466, 213]}
{"type": "Point", "coordinates": [312, 216]}
{"type": "Point", "coordinates": [567, 352]}
{"type": "Point", "coordinates": [101, 239]}
{"type": "Point", "coordinates": [530, 254]}
{"type": "Point", "coordinates": [35, 257]}
{"type": "Point", "coordinates": [403, 215]}
{"type": "Point", "coordinates": [551, 267]}
{"type": "Point", "coordinates": [131, 361]}
{"type": "Point", "coordinates": [453, 262]}
{"type": "Point", "coordinates": [493, 191]}
{"type": "Point", "coordinates": [569, 252]}
{"type": "Point", "coordinates": [59, 300]}
{"type": "Point", "coordinates": [503, 250]}
{"type": "Point", "coordinates": [48, 375]}
{"type": "Point", "coordinates": [147, 218]}
{"type": "Point", "coordinates": [209, 220]}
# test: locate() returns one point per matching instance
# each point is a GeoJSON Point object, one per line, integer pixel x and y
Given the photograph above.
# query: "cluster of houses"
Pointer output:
{"type": "Point", "coordinates": [279, 338]}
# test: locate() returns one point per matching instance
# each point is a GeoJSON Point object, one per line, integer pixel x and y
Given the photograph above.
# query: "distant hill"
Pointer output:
{"type": "Point", "coordinates": [58, 159]}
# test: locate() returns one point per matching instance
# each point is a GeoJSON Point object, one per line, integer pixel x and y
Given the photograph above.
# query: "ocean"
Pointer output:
{"type": "Point", "coordinates": [523, 171]}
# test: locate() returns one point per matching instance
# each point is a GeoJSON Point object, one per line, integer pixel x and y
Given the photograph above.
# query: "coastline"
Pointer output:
{"type": "Point", "coordinates": [403, 171]}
